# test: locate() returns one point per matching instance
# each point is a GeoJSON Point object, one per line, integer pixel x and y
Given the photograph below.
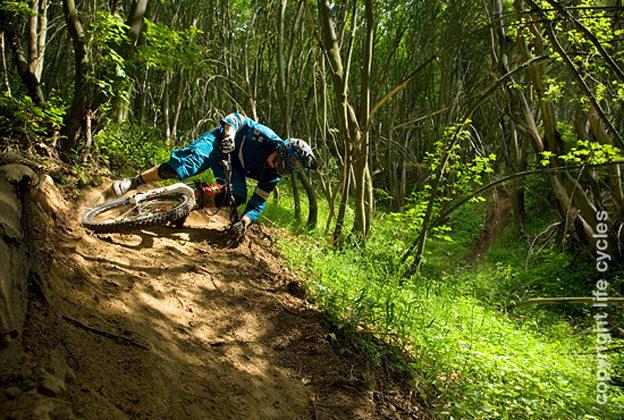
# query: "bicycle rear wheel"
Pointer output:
{"type": "Point", "coordinates": [121, 215]}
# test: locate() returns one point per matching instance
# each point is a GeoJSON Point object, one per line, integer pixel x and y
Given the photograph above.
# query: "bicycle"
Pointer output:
{"type": "Point", "coordinates": [160, 206]}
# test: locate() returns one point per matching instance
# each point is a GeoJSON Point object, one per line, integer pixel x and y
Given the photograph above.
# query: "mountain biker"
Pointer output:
{"type": "Point", "coordinates": [259, 154]}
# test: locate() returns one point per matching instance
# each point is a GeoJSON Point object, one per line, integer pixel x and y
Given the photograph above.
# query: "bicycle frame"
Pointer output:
{"type": "Point", "coordinates": [159, 206]}
{"type": "Point", "coordinates": [180, 187]}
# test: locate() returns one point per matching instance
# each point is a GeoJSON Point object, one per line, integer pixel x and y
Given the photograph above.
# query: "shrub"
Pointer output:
{"type": "Point", "coordinates": [128, 147]}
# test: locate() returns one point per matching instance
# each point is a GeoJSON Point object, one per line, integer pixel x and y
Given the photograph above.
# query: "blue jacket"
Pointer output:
{"type": "Point", "coordinates": [254, 143]}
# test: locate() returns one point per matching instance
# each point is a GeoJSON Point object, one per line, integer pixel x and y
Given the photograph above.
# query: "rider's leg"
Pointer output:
{"type": "Point", "coordinates": [152, 174]}
{"type": "Point", "coordinates": [183, 163]}
{"type": "Point", "coordinates": [155, 174]}
{"type": "Point", "coordinates": [197, 157]}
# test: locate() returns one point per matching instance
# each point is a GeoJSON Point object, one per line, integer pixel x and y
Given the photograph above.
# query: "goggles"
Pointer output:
{"type": "Point", "coordinates": [293, 160]}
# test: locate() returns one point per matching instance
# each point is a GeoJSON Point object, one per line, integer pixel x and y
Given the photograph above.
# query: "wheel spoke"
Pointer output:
{"type": "Point", "coordinates": [116, 216]}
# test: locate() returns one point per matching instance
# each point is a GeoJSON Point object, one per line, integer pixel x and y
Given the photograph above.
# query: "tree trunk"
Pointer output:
{"type": "Point", "coordinates": [28, 77]}
{"type": "Point", "coordinates": [134, 21]}
{"type": "Point", "coordinates": [363, 189]}
{"type": "Point", "coordinates": [75, 116]}
{"type": "Point", "coordinates": [38, 30]}
{"type": "Point", "coordinates": [165, 109]}
{"type": "Point", "coordinates": [578, 208]}
{"type": "Point", "coordinates": [5, 71]}
{"type": "Point", "coordinates": [519, 152]}
{"type": "Point", "coordinates": [284, 92]}
{"type": "Point", "coordinates": [136, 17]}
{"type": "Point", "coordinates": [30, 62]}
{"type": "Point", "coordinates": [521, 156]}
{"type": "Point", "coordinates": [88, 97]}
{"type": "Point", "coordinates": [355, 141]}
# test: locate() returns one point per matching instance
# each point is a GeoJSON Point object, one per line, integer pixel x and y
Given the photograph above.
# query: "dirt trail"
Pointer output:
{"type": "Point", "coordinates": [167, 323]}
{"type": "Point", "coordinates": [496, 220]}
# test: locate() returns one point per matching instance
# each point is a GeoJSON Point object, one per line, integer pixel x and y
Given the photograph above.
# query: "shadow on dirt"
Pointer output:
{"type": "Point", "coordinates": [167, 323]}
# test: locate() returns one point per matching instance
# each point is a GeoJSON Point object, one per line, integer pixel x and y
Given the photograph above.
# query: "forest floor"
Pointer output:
{"type": "Point", "coordinates": [166, 323]}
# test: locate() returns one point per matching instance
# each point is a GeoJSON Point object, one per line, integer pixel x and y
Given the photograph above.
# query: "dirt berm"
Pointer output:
{"type": "Point", "coordinates": [165, 323]}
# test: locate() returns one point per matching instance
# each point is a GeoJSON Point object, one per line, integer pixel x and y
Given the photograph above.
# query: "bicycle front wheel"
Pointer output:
{"type": "Point", "coordinates": [121, 215]}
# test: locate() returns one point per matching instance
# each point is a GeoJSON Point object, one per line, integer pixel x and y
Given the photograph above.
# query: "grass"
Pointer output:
{"type": "Point", "coordinates": [470, 358]}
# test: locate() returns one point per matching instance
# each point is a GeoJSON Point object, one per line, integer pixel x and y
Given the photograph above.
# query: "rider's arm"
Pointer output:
{"type": "Point", "coordinates": [256, 203]}
{"type": "Point", "coordinates": [233, 120]}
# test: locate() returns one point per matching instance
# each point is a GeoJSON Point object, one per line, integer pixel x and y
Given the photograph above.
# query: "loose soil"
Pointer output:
{"type": "Point", "coordinates": [165, 323]}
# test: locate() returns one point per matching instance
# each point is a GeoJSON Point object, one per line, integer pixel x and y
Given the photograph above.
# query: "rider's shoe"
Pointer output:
{"type": "Point", "coordinates": [122, 186]}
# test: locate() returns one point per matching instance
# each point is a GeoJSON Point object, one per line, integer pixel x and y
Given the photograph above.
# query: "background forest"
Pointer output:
{"type": "Point", "coordinates": [436, 123]}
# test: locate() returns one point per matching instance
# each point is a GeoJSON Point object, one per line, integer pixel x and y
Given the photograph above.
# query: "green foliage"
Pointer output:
{"type": "Point", "coordinates": [462, 175]}
{"type": "Point", "coordinates": [593, 153]}
{"type": "Point", "coordinates": [166, 48]}
{"type": "Point", "coordinates": [554, 88]}
{"type": "Point", "coordinates": [20, 116]}
{"type": "Point", "coordinates": [469, 360]}
{"type": "Point", "coordinates": [12, 12]}
{"type": "Point", "coordinates": [588, 153]}
{"type": "Point", "coordinates": [585, 55]}
{"type": "Point", "coordinates": [459, 178]}
{"type": "Point", "coordinates": [108, 34]}
{"type": "Point", "coordinates": [382, 195]}
{"type": "Point", "coordinates": [411, 219]}
{"type": "Point", "coordinates": [128, 147]}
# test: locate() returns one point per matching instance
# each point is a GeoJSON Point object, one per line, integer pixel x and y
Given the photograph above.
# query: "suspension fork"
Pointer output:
{"type": "Point", "coordinates": [226, 163]}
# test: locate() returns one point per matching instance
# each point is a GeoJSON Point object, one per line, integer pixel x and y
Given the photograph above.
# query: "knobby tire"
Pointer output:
{"type": "Point", "coordinates": [120, 216]}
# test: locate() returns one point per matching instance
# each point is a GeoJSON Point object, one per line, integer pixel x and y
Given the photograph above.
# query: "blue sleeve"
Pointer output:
{"type": "Point", "coordinates": [261, 194]}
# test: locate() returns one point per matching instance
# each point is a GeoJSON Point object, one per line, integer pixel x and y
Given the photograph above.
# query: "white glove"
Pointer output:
{"type": "Point", "coordinates": [239, 227]}
{"type": "Point", "coordinates": [227, 144]}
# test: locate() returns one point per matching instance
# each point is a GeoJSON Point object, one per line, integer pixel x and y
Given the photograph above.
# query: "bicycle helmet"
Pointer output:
{"type": "Point", "coordinates": [295, 155]}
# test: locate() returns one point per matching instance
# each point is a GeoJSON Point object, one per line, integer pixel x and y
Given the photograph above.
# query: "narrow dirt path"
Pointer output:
{"type": "Point", "coordinates": [167, 323]}
{"type": "Point", "coordinates": [496, 220]}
